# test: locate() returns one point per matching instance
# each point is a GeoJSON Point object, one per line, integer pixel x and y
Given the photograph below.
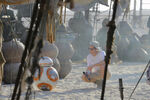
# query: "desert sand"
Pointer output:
{"type": "Point", "coordinates": [73, 88]}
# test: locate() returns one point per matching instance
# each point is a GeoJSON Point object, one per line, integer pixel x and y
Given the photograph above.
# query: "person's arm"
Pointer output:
{"type": "Point", "coordinates": [102, 63]}
{"type": "Point", "coordinates": [99, 64]}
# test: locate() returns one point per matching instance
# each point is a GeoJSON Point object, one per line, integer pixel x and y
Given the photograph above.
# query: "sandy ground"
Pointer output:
{"type": "Point", "coordinates": [73, 88]}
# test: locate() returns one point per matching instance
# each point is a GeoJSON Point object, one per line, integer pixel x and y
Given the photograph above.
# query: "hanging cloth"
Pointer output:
{"type": "Point", "coordinates": [15, 2]}
{"type": "Point", "coordinates": [82, 5]}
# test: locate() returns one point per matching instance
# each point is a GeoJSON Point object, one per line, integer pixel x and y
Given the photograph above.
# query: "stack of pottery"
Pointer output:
{"type": "Point", "coordinates": [130, 46]}
{"type": "Point", "coordinates": [80, 25]}
{"type": "Point", "coordinates": [138, 52]}
{"type": "Point", "coordinates": [51, 50]}
{"type": "Point", "coordinates": [101, 37]}
{"type": "Point", "coordinates": [12, 51]}
{"type": "Point", "coordinates": [66, 51]}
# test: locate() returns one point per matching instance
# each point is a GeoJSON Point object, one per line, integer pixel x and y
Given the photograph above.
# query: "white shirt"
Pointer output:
{"type": "Point", "coordinates": [91, 60]}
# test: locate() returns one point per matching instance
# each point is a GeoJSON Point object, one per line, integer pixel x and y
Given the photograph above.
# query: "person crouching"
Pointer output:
{"type": "Point", "coordinates": [95, 65]}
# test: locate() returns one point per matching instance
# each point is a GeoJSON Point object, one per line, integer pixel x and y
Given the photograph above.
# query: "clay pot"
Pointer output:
{"type": "Point", "coordinates": [12, 51]}
{"type": "Point", "coordinates": [66, 66]}
{"type": "Point", "coordinates": [10, 72]}
{"type": "Point", "coordinates": [78, 24]}
{"type": "Point", "coordinates": [66, 50]}
{"type": "Point", "coordinates": [49, 50]}
{"type": "Point", "coordinates": [56, 64]}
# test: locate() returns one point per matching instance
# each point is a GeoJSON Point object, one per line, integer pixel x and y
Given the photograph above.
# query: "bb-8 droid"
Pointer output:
{"type": "Point", "coordinates": [48, 77]}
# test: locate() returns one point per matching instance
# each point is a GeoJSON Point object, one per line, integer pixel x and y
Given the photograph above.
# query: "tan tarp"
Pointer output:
{"type": "Point", "coordinates": [82, 5]}
{"type": "Point", "coordinates": [15, 2]}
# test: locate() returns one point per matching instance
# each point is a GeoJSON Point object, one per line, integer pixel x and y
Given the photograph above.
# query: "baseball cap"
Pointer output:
{"type": "Point", "coordinates": [96, 45]}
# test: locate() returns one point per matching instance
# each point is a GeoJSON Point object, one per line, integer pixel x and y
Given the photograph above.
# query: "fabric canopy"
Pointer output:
{"type": "Point", "coordinates": [15, 2]}
{"type": "Point", "coordinates": [79, 5]}
{"type": "Point", "coordinates": [82, 5]}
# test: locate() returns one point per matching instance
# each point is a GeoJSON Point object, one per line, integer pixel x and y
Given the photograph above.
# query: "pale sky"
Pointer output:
{"type": "Point", "coordinates": [146, 5]}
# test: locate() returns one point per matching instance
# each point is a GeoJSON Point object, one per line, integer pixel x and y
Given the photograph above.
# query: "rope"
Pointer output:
{"type": "Point", "coordinates": [50, 29]}
{"type": "Point", "coordinates": [110, 34]}
{"type": "Point", "coordinates": [139, 79]}
{"type": "Point", "coordinates": [50, 26]}
{"type": "Point", "coordinates": [65, 13]}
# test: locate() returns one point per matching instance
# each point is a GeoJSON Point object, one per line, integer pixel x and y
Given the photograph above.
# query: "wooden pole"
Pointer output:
{"type": "Point", "coordinates": [140, 79]}
{"type": "Point", "coordinates": [110, 35]}
{"type": "Point", "coordinates": [134, 13]}
{"type": "Point", "coordinates": [87, 15]}
{"type": "Point", "coordinates": [141, 5]}
{"type": "Point", "coordinates": [121, 89]}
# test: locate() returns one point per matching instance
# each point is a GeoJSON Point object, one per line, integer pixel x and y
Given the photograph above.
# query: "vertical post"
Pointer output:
{"type": "Point", "coordinates": [134, 14]}
{"type": "Point", "coordinates": [129, 9]}
{"type": "Point", "coordinates": [141, 4]}
{"type": "Point", "coordinates": [110, 35]}
{"type": "Point", "coordinates": [87, 15]}
{"type": "Point", "coordinates": [121, 89]}
{"type": "Point", "coordinates": [140, 79]}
